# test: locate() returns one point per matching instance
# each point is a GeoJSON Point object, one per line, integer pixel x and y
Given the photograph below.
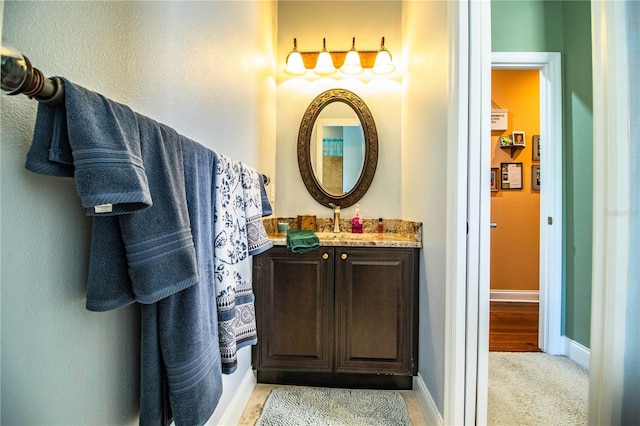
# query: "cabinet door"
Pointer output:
{"type": "Point", "coordinates": [375, 311]}
{"type": "Point", "coordinates": [294, 308]}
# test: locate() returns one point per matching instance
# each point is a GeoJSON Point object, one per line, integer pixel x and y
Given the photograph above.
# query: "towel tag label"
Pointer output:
{"type": "Point", "coordinates": [103, 208]}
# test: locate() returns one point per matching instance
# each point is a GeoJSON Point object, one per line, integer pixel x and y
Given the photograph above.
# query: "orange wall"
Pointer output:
{"type": "Point", "coordinates": [515, 243]}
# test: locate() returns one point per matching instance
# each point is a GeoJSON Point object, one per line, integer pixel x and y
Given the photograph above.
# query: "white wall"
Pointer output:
{"type": "Point", "coordinates": [424, 171]}
{"type": "Point", "coordinates": [338, 22]}
{"type": "Point", "coordinates": [185, 64]}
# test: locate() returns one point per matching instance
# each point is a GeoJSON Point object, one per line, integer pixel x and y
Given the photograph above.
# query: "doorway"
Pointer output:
{"type": "Point", "coordinates": [515, 210]}
{"type": "Point", "coordinates": [548, 68]}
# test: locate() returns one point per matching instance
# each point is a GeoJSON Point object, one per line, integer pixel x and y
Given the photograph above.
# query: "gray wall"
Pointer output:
{"type": "Point", "coordinates": [184, 64]}
{"type": "Point", "coordinates": [425, 104]}
{"type": "Point", "coordinates": [565, 27]}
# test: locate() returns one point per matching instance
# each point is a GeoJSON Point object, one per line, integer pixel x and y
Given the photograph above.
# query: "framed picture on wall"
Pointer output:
{"type": "Point", "coordinates": [517, 138]}
{"type": "Point", "coordinates": [535, 177]}
{"type": "Point", "coordinates": [495, 178]}
{"type": "Point", "coordinates": [511, 175]}
{"type": "Point", "coordinates": [535, 143]}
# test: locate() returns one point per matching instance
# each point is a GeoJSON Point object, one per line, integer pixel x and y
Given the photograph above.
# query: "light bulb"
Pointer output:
{"type": "Point", "coordinates": [295, 64]}
{"type": "Point", "coordinates": [324, 64]}
{"type": "Point", "coordinates": [352, 64]}
{"type": "Point", "coordinates": [383, 64]}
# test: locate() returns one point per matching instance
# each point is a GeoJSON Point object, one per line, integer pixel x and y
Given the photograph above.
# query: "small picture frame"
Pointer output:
{"type": "Point", "coordinates": [517, 138]}
{"type": "Point", "coordinates": [511, 175]}
{"type": "Point", "coordinates": [535, 143]}
{"type": "Point", "coordinates": [535, 177]}
{"type": "Point", "coordinates": [495, 178]}
{"type": "Point", "coordinates": [499, 119]}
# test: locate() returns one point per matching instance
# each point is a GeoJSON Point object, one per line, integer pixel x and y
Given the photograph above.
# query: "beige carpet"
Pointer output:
{"type": "Point", "coordinates": [256, 402]}
{"type": "Point", "coordinates": [534, 388]}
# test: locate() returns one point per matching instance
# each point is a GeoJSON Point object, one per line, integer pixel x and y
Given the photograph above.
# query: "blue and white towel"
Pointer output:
{"type": "Point", "coordinates": [253, 189]}
{"type": "Point", "coordinates": [238, 202]}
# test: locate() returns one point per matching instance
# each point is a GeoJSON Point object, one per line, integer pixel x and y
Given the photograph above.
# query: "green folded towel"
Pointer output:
{"type": "Point", "coordinates": [302, 241]}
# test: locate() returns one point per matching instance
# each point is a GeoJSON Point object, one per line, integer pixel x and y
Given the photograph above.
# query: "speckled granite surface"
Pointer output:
{"type": "Point", "coordinates": [397, 232]}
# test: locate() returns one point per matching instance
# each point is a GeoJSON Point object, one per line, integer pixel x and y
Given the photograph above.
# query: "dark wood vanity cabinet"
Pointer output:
{"type": "Point", "coordinates": [342, 316]}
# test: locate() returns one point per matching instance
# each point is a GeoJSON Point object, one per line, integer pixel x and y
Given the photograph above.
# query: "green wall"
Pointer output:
{"type": "Point", "coordinates": [565, 27]}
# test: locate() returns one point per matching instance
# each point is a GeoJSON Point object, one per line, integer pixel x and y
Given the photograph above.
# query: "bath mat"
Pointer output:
{"type": "Point", "coordinates": [333, 407]}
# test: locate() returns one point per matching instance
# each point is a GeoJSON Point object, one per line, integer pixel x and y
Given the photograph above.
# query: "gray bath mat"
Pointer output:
{"type": "Point", "coordinates": [340, 407]}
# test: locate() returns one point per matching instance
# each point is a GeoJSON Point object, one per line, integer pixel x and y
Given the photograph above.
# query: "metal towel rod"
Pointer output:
{"type": "Point", "coordinates": [19, 76]}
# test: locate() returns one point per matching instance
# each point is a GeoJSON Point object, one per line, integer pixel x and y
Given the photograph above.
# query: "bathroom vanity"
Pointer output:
{"type": "Point", "coordinates": [344, 314]}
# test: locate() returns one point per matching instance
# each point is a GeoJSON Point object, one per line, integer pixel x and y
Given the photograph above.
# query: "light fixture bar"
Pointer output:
{"type": "Point", "coordinates": [367, 57]}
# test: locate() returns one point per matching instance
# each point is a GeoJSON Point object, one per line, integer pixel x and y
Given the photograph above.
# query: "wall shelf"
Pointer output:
{"type": "Point", "coordinates": [512, 148]}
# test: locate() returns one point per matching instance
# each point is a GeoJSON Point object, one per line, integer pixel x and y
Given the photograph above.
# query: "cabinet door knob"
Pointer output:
{"type": "Point", "coordinates": [344, 256]}
{"type": "Point", "coordinates": [325, 256]}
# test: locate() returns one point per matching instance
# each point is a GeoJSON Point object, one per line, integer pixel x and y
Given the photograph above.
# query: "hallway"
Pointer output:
{"type": "Point", "coordinates": [513, 327]}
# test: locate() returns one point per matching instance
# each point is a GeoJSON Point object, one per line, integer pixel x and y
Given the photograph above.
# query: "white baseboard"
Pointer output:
{"type": "Point", "coordinates": [426, 403]}
{"type": "Point", "coordinates": [532, 296]}
{"type": "Point", "coordinates": [577, 352]}
{"type": "Point", "coordinates": [235, 409]}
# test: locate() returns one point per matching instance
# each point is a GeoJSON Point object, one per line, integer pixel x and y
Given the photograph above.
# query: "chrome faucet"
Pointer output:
{"type": "Point", "coordinates": [336, 217]}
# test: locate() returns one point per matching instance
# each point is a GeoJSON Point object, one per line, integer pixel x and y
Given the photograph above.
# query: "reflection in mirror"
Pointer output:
{"type": "Point", "coordinates": [337, 148]}
{"type": "Point", "coordinates": [338, 143]}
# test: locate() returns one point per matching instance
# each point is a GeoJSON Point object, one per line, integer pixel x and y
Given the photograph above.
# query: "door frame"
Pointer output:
{"type": "Point", "coordinates": [550, 338]}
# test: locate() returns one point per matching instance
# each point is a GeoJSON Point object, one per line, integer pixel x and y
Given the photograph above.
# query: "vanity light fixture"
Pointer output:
{"type": "Point", "coordinates": [295, 64]}
{"type": "Point", "coordinates": [324, 64]}
{"type": "Point", "coordinates": [350, 63]}
{"type": "Point", "coordinates": [383, 64]}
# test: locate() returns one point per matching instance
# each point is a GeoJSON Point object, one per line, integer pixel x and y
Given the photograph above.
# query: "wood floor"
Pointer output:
{"type": "Point", "coordinates": [513, 327]}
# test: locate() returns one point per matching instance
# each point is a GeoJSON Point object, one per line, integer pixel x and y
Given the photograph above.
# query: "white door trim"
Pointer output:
{"type": "Point", "coordinates": [456, 250]}
{"type": "Point", "coordinates": [549, 64]}
{"type": "Point", "coordinates": [611, 211]}
{"type": "Point", "coordinates": [468, 189]}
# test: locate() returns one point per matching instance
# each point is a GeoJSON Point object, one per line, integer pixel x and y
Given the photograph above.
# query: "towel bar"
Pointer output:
{"type": "Point", "coordinates": [18, 76]}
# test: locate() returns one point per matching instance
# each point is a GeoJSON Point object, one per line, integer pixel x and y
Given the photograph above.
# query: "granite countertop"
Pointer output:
{"type": "Point", "coordinates": [397, 233]}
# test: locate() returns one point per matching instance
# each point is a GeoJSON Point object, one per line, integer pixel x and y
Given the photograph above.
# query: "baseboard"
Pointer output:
{"type": "Point", "coordinates": [235, 409]}
{"type": "Point", "coordinates": [426, 403]}
{"type": "Point", "coordinates": [532, 296]}
{"type": "Point", "coordinates": [577, 352]}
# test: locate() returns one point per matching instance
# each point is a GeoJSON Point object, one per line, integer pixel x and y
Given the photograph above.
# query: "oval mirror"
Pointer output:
{"type": "Point", "coordinates": [337, 148]}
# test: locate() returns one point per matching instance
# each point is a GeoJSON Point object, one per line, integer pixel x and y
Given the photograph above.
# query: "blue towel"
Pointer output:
{"type": "Point", "coordinates": [156, 242]}
{"type": "Point", "coordinates": [103, 140]}
{"type": "Point", "coordinates": [181, 364]}
{"type": "Point", "coordinates": [50, 153]}
{"type": "Point", "coordinates": [120, 158]}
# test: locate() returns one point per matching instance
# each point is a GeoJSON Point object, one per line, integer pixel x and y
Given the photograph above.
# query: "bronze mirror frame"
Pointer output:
{"type": "Point", "coordinates": [370, 141]}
